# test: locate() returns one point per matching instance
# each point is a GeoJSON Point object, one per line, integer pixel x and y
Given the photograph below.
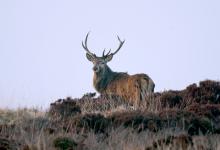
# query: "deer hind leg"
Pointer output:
{"type": "Point", "coordinates": [136, 95]}
{"type": "Point", "coordinates": [147, 87]}
{"type": "Point", "coordinates": [151, 86]}
{"type": "Point", "coordinates": [144, 85]}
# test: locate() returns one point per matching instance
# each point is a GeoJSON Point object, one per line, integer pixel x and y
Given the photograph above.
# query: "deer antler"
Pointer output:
{"type": "Point", "coordinates": [84, 45]}
{"type": "Point", "coordinates": [105, 55]}
{"type": "Point", "coordinates": [120, 45]}
{"type": "Point", "coordinates": [109, 53]}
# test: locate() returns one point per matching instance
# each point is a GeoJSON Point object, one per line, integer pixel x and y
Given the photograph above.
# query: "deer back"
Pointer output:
{"type": "Point", "coordinates": [131, 88]}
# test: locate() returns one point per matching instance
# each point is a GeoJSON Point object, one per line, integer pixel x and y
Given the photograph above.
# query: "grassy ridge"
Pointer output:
{"type": "Point", "coordinates": [186, 119]}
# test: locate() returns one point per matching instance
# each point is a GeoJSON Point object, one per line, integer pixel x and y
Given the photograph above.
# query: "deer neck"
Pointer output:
{"type": "Point", "coordinates": [102, 79]}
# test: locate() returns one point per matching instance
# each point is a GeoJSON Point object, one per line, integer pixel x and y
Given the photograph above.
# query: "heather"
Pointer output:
{"type": "Point", "coordinates": [184, 119]}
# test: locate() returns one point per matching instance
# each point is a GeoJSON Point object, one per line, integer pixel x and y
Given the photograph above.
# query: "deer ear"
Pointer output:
{"type": "Point", "coordinates": [89, 57]}
{"type": "Point", "coordinates": [109, 58]}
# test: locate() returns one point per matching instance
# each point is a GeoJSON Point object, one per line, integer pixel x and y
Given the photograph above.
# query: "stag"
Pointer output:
{"type": "Point", "coordinates": [132, 88]}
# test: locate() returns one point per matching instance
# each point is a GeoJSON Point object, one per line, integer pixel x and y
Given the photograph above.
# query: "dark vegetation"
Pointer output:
{"type": "Point", "coordinates": [193, 109]}
{"type": "Point", "coordinates": [192, 112]}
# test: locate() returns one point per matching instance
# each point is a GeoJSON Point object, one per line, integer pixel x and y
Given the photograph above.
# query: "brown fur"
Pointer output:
{"type": "Point", "coordinates": [132, 88]}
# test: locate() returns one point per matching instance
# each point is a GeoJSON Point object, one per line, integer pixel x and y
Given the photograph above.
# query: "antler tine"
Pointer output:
{"type": "Point", "coordinates": [105, 55]}
{"type": "Point", "coordinates": [120, 45]}
{"type": "Point", "coordinates": [84, 45]}
{"type": "Point", "coordinates": [109, 52]}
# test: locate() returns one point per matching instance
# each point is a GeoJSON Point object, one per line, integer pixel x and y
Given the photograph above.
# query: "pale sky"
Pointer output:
{"type": "Point", "coordinates": [175, 42]}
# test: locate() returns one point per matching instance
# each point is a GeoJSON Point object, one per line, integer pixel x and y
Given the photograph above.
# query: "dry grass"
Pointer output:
{"type": "Point", "coordinates": [171, 120]}
{"type": "Point", "coordinates": [38, 134]}
{"type": "Point", "coordinates": [9, 116]}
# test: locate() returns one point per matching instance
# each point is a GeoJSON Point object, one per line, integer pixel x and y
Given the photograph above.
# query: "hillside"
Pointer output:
{"type": "Point", "coordinates": [186, 119]}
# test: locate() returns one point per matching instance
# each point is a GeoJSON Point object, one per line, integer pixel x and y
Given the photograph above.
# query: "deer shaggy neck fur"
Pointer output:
{"type": "Point", "coordinates": [103, 78]}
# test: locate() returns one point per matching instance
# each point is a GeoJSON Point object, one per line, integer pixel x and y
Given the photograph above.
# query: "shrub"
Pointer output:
{"type": "Point", "coordinates": [64, 143]}
{"type": "Point", "coordinates": [64, 108]}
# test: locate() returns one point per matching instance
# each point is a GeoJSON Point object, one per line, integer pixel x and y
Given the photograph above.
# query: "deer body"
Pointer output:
{"type": "Point", "coordinates": [132, 88]}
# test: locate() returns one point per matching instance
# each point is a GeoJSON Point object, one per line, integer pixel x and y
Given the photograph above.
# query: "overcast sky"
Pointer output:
{"type": "Point", "coordinates": [41, 58]}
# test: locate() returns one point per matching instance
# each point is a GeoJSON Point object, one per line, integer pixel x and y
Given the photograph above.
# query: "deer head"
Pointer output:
{"type": "Point", "coordinates": [100, 63]}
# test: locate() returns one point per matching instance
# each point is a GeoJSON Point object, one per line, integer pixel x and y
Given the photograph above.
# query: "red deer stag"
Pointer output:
{"type": "Point", "coordinates": [132, 88]}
